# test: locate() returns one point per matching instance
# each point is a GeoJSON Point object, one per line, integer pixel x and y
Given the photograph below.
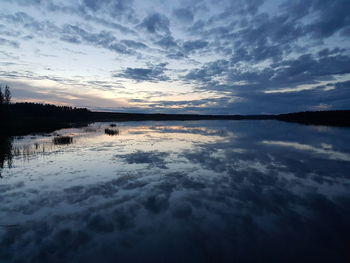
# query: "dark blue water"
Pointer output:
{"type": "Point", "coordinates": [208, 191]}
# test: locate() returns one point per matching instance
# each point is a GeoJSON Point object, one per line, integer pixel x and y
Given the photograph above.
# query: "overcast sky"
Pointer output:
{"type": "Point", "coordinates": [173, 56]}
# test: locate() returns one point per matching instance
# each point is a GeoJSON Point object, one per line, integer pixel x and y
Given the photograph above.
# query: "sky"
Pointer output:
{"type": "Point", "coordinates": [178, 56]}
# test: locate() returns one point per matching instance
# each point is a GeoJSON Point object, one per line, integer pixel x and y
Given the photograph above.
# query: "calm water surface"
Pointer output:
{"type": "Point", "coordinates": [205, 191]}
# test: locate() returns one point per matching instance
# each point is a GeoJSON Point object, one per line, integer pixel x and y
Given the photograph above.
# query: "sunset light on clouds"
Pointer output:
{"type": "Point", "coordinates": [196, 56]}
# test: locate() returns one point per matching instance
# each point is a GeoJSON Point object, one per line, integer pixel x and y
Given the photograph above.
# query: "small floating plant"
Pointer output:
{"type": "Point", "coordinates": [111, 132]}
{"type": "Point", "coordinates": [62, 140]}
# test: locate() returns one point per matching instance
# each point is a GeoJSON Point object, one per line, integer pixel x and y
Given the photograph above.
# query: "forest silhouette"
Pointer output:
{"type": "Point", "coordinates": [26, 117]}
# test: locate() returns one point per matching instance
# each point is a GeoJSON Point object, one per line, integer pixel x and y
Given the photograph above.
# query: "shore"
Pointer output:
{"type": "Point", "coordinates": [25, 118]}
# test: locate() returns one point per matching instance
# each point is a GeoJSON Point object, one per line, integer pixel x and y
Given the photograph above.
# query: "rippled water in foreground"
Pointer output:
{"type": "Point", "coordinates": [206, 191]}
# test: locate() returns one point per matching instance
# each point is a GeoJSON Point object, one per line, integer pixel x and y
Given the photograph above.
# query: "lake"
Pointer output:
{"type": "Point", "coordinates": [182, 191]}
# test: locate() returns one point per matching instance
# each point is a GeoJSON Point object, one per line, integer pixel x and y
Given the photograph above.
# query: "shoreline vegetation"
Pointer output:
{"type": "Point", "coordinates": [25, 118]}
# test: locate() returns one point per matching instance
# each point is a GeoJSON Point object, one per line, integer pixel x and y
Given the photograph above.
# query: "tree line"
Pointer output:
{"type": "Point", "coordinates": [31, 108]}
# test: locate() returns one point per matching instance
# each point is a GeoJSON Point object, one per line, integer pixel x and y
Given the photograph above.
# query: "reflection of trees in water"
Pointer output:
{"type": "Point", "coordinates": [5, 152]}
{"type": "Point", "coordinates": [9, 149]}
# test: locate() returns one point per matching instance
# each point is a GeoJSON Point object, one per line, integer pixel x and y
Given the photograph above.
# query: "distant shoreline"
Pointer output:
{"type": "Point", "coordinates": [25, 118]}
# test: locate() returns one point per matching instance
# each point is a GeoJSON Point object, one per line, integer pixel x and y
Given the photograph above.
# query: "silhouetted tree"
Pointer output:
{"type": "Point", "coordinates": [7, 95]}
{"type": "Point", "coordinates": [1, 96]}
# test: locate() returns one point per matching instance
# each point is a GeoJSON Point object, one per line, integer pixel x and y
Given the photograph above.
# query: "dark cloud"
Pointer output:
{"type": "Point", "coordinates": [332, 17]}
{"type": "Point", "coordinates": [156, 24]}
{"type": "Point", "coordinates": [94, 5]}
{"type": "Point", "coordinates": [331, 96]}
{"type": "Point", "coordinates": [326, 52]}
{"type": "Point", "coordinates": [211, 69]}
{"type": "Point", "coordinates": [306, 69]}
{"type": "Point", "coordinates": [21, 19]}
{"type": "Point", "coordinates": [191, 46]}
{"type": "Point", "coordinates": [249, 94]}
{"type": "Point", "coordinates": [184, 15]}
{"type": "Point", "coordinates": [167, 42]}
{"type": "Point", "coordinates": [8, 42]}
{"type": "Point", "coordinates": [237, 8]}
{"type": "Point", "coordinates": [264, 36]}
{"type": "Point", "coordinates": [101, 38]}
{"type": "Point", "coordinates": [71, 39]}
{"type": "Point", "coordinates": [110, 24]}
{"type": "Point", "coordinates": [113, 7]}
{"type": "Point", "coordinates": [134, 44]}
{"type": "Point", "coordinates": [176, 55]}
{"type": "Point", "coordinates": [26, 2]}
{"type": "Point", "coordinates": [154, 73]}
{"type": "Point", "coordinates": [105, 39]}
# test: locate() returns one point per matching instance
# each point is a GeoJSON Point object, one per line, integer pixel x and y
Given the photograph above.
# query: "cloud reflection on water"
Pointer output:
{"type": "Point", "coordinates": [324, 150]}
{"type": "Point", "coordinates": [180, 191]}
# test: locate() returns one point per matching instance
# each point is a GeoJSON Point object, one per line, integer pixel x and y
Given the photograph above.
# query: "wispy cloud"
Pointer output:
{"type": "Point", "coordinates": [259, 55]}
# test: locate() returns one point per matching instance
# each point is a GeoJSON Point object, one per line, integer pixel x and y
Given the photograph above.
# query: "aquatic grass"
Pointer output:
{"type": "Point", "coordinates": [62, 140]}
{"type": "Point", "coordinates": [111, 132]}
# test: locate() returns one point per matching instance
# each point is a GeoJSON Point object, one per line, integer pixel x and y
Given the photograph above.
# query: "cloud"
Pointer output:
{"type": "Point", "coordinates": [191, 46]}
{"type": "Point", "coordinates": [27, 86]}
{"type": "Point", "coordinates": [133, 44]}
{"type": "Point", "coordinates": [105, 39]}
{"type": "Point", "coordinates": [305, 69]}
{"type": "Point", "coordinates": [7, 42]}
{"type": "Point", "coordinates": [21, 19]}
{"type": "Point", "coordinates": [233, 49]}
{"type": "Point", "coordinates": [69, 33]}
{"type": "Point", "coordinates": [156, 24]}
{"type": "Point", "coordinates": [283, 102]}
{"type": "Point", "coordinates": [114, 8]}
{"type": "Point", "coordinates": [26, 2]}
{"type": "Point", "coordinates": [153, 73]}
{"type": "Point", "coordinates": [184, 15]}
{"type": "Point", "coordinates": [208, 71]}
{"type": "Point", "coordinates": [332, 17]}
{"type": "Point", "coordinates": [167, 42]}
{"type": "Point", "coordinates": [248, 87]}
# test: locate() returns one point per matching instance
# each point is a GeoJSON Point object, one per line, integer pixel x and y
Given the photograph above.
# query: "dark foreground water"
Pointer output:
{"type": "Point", "coordinates": [206, 191]}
